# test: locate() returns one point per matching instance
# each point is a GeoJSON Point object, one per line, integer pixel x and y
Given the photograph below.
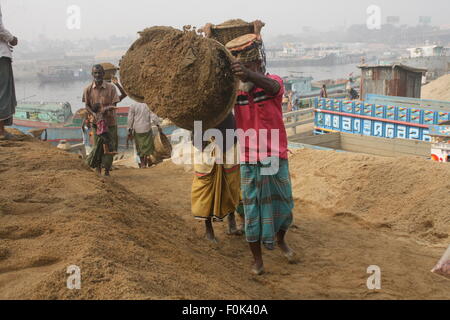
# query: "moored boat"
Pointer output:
{"type": "Point", "coordinates": [61, 124]}
{"type": "Point", "coordinates": [63, 74]}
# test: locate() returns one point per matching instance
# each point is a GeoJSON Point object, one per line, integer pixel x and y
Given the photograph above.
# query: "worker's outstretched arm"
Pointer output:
{"type": "Point", "coordinates": [270, 86]}
{"type": "Point", "coordinates": [123, 94]}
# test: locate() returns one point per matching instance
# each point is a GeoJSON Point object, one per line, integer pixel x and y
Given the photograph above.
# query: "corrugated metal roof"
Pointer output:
{"type": "Point", "coordinates": [393, 66]}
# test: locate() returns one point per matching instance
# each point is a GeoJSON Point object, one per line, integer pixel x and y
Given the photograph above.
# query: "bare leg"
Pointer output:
{"type": "Point", "coordinates": [258, 265]}
{"type": "Point", "coordinates": [2, 128]}
{"type": "Point", "coordinates": [106, 150]}
{"type": "Point", "coordinates": [232, 227]}
{"type": "Point", "coordinates": [287, 251]}
{"type": "Point", "coordinates": [150, 162]}
{"type": "Point", "coordinates": [210, 231]}
{"type": "Point", "coordinates": [241, 223]}
{"type": "Point", "coordinates": [99, 169]}
{"type": "Point", "coordinates": [143, 162]}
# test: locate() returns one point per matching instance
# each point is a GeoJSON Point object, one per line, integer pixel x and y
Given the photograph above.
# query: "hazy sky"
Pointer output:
{"type": "Point", "coordinates": [102, 18]}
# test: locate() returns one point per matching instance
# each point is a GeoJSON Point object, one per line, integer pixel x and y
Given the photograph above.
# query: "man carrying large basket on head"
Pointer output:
{"type": "Point", "coordinates": [265, 179]}
{"type": "Point", "coordinates": [216, 192]}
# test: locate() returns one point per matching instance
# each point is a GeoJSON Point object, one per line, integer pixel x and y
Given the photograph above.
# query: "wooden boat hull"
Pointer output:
{"type": "Point", "coordinates": [73, 134]}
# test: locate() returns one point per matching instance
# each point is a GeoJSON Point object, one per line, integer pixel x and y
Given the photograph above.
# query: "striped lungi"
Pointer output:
{"type": "Point", "coordinates": [267, 201]}
{"type": "Point", "coordinates": [7, 92]}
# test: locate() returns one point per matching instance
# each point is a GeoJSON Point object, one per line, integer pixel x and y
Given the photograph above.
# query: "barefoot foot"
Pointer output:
{"type": "Point", "coordinates": [291, 257]}
{"type": "Point", "coordinates": [232, 227]}
{"type": "Point", "coordinates": [257, 269]}
{"type": "Point", "coordinates": [211, 238]}
{"type": "Point", "coordinates": [288, 252]}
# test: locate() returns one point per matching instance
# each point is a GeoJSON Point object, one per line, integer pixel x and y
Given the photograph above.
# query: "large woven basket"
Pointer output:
{"type": "Point", "coordinates": [226, 33]}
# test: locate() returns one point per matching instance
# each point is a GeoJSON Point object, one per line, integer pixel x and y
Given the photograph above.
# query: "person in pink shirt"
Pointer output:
{"type": "Point", "coordinates": [265, 180]}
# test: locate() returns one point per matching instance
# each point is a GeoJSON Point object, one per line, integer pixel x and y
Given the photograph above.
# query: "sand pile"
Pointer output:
{"type": "Point", "coordinates": [407, 195]}
{"type": "Point", "coordinates": [55, 212]}
{"type": "Point", "coordinates": [438, 89]}
{"type": "Point", "coordinates": [181, 76]}
{"type": "Point", "coordinates": [133, 241]}
{"type": "Point", "coordinates": [335, 251]}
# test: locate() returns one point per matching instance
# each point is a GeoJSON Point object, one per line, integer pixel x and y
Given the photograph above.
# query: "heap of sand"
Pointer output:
{"type": "Point", "coordinates": [181, 75]}
{"type": "Point", "coordinates": [133, 237]}
{"type": "Point", "coordinates": [407, 195]}
{"type": "Point", "coordinates": [56, 212]}
{"type": "Point", "coordinates": [438, 89]}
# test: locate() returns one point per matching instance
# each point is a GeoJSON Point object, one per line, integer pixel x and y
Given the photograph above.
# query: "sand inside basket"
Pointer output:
{"type": "Point", "coordinates": [181, 76]}
{"type": "Point", "coordinates": [233, 22]}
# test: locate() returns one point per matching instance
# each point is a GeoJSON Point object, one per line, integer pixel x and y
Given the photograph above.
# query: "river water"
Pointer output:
{"type": "Point", "coordinates": [72, 92]}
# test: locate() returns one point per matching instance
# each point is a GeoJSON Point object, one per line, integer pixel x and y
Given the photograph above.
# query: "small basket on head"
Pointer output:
{"type": "Point", "coordinates": [110, 70]}
{"type": "Point", "coordinates": [230, 30]}
{"type": "Point", "coordinates": [246, 48]}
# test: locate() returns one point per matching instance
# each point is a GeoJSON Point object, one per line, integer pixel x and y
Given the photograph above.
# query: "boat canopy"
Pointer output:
{"type": "Point", "coordinates": [58, 112]}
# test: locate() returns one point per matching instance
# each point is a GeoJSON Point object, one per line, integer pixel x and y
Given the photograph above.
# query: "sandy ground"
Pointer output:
{"type": "Point", "coordinates": [335, 249]}
{"type": "Point", "coordinates": [133, 235]}
{"type": "Point", "coordinates": [438, 89]}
